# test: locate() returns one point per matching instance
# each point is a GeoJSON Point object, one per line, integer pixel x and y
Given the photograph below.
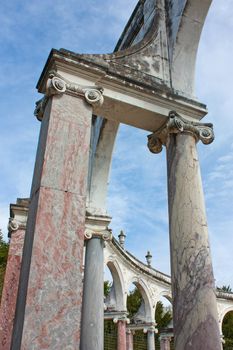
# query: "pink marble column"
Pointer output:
{"type": "Point", "coordinates": [121, 335]}
{"type": "Point", "coordinates": [194, 302]}
{"type": "Point", "coordinates": [10, 288]}
{"type": "Point", "coordinates": [165, 343]}
{"type": "Point", "coordinates": [49, 301]}
{"type": "Point", "coordinates": [129, 339]}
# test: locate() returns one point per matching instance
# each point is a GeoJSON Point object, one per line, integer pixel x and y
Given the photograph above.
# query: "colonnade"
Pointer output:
{"type": "Point", "coordinates": [58, 205]}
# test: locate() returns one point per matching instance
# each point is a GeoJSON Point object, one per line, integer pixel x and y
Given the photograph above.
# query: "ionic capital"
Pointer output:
{"type": "Point", "coordinates": [13, 225]}
{"type": "Point", "coordinates": [175, 125]}
{"type": "Point", "coordinates": [121, 317]}
{"type": "Point", "coordinates": [97, 226]}
{"type": "Point", "coordinates": [150, 328]}
{"type": "Point", "coordinates": [106, 235]}
{"type": "Point", "coordinates": [58, 85]}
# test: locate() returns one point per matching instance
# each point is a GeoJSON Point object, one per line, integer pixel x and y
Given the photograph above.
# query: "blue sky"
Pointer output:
{"type": "Point", "coordinates": [137, 192]}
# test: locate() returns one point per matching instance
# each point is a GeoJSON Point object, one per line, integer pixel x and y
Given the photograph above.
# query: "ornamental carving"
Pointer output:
{"type": "Point", "coordinates": [177, 124]}
{"type": "Point", "coordinates": [106, 235]}
{"type": "Point", "coordinates": [13, 225]}
{"type": "Point", "coordinates": [57, 85]}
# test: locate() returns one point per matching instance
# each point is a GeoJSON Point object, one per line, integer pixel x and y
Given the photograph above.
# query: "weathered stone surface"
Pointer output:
{"type": "Point", "coordinates": [48, 310]}
{"type": "Point", "coordinates": [9, 294]}
{"type": "Point", "coordinates": [194, 301]}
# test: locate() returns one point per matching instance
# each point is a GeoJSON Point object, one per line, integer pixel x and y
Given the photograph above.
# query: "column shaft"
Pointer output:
{"type": "Point", "coordinates": [92, 330]}
{"type": "Point", "coordinates": [150, 340]}
{"type": "Point", "coordinates": [194, 301]}
{"type": "Point", "coordinates": [48, 311]}
{"type": "Point", "coordinates": [129, 340]}
{"type": "Point", "coordinates": [10, 288]}
{"type": "Point", "coordinates": [165, 344]}
{"type": "Point", "coordinates": [121, 335]}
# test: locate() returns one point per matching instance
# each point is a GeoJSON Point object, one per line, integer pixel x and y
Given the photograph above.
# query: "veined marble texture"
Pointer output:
{"type": "Point", "coordinates": [9, 294]}
{"type": "Point", "coordinates": [194, 301]}
{"type": "Point", "coordinates": [51, 285]}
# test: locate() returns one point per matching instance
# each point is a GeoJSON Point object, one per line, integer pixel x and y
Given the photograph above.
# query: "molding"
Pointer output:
{"type": "Point", "coordinates": [97, 226]}
{"type": "Point", "coordinates": [117, 316]}
{"type": "Point", "coordinates": [146, 327]}
{"type": "Point", "coordinates": [175, 125]}
{"type": "Point", "coordinates": [58, 85]}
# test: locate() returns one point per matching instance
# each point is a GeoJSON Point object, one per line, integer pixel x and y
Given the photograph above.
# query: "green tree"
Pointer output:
{"type": "Point", "coordinates": [3, 260]}
{"type": "Point", "coordinates": [162, 316]}
{"type": "Point", "coordinates": [134, 300]}
{"type": "Point", "coordinates": [227, 330]}
{"type": "Point", "coordinates": [226, 289]}
{"type": "Point", "coordinates": [107, 288]}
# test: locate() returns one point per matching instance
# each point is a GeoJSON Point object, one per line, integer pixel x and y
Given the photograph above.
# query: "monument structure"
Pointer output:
{"type": "Point", "coordinates": [148, 82]}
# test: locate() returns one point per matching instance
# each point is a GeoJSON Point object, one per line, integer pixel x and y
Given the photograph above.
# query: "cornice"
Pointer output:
{"type": "Point", "coordinates": [128, 80]}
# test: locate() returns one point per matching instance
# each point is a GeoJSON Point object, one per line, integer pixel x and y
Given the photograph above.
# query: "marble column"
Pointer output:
{"type": "Point", "coordinates": [17, 225]}
{"type": "Point", "coordinates": [92, 326]}
{"type": "Point", "coordinates": [48, 311]}
{"type": "Point", "coordinates": [150, 340]}
{"type": "Point", "coordinates": [194, 301]}
{"type": "Point", "coordinates": [165, 343]}
{"type": "Point", "coordinates": [129, 339]}
{"type": "Point", "coordinates": [121, 335]}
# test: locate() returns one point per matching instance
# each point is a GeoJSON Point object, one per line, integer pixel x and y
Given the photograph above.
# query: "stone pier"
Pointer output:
{"type": "Point", "coordinates": [16, 227]}
{"type": "Point", "coordinates": [48, 311]}
{"type": "Point", "coordinates": [194, 301]}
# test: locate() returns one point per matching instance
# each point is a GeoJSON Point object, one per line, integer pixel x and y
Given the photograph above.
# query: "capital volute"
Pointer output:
{"type": "Point", "coordinates": [58, 85]}
{"type": "Point", "coordinates": [13, 225]}
{"type": "Point", "coordinates": [177, 124]}
{"type": "Point", "coordinates": [106, 235]}
{"type": "Point", "coordinates": [97, 227]}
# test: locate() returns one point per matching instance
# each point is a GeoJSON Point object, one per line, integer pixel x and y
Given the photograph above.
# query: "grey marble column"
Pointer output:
{"type": "Point", "coordinates": [150, 340]}
{"type": "Point", "coordinates": [194, 301]}
{"type": "Point", "coordinates": [92, 326]}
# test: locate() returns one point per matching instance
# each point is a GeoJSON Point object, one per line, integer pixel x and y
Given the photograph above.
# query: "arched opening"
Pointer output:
{"type": "Point", "coordinates": [110, 329]}
{"type": "Point", "coordinates": [114, 287]}
{"type": "Point", "coordinates": [136, 310]}
{"type": "Point", "coordinates": [227, 330]}
{"type": "Point", "coordinates": [163, 319]}
{"type": "Point", "coordinates": [137, 197]}
{"type": "Point", "coordinates": [114, 305]}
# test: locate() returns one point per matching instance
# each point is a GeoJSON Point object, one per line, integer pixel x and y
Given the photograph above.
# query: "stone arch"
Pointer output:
{"type": "Point", "coordinates": [223, 314]}
{"type": "Point", "coordinates": [118, 284]}
{"type": "Point", "coordinates": [103, 138]}
{"type": "Point", "coordinates": [187, 36]}
{"type": "Point", "coordinates": [166, 294]}
{"type": "Point", "coordinates": [142, 287]}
